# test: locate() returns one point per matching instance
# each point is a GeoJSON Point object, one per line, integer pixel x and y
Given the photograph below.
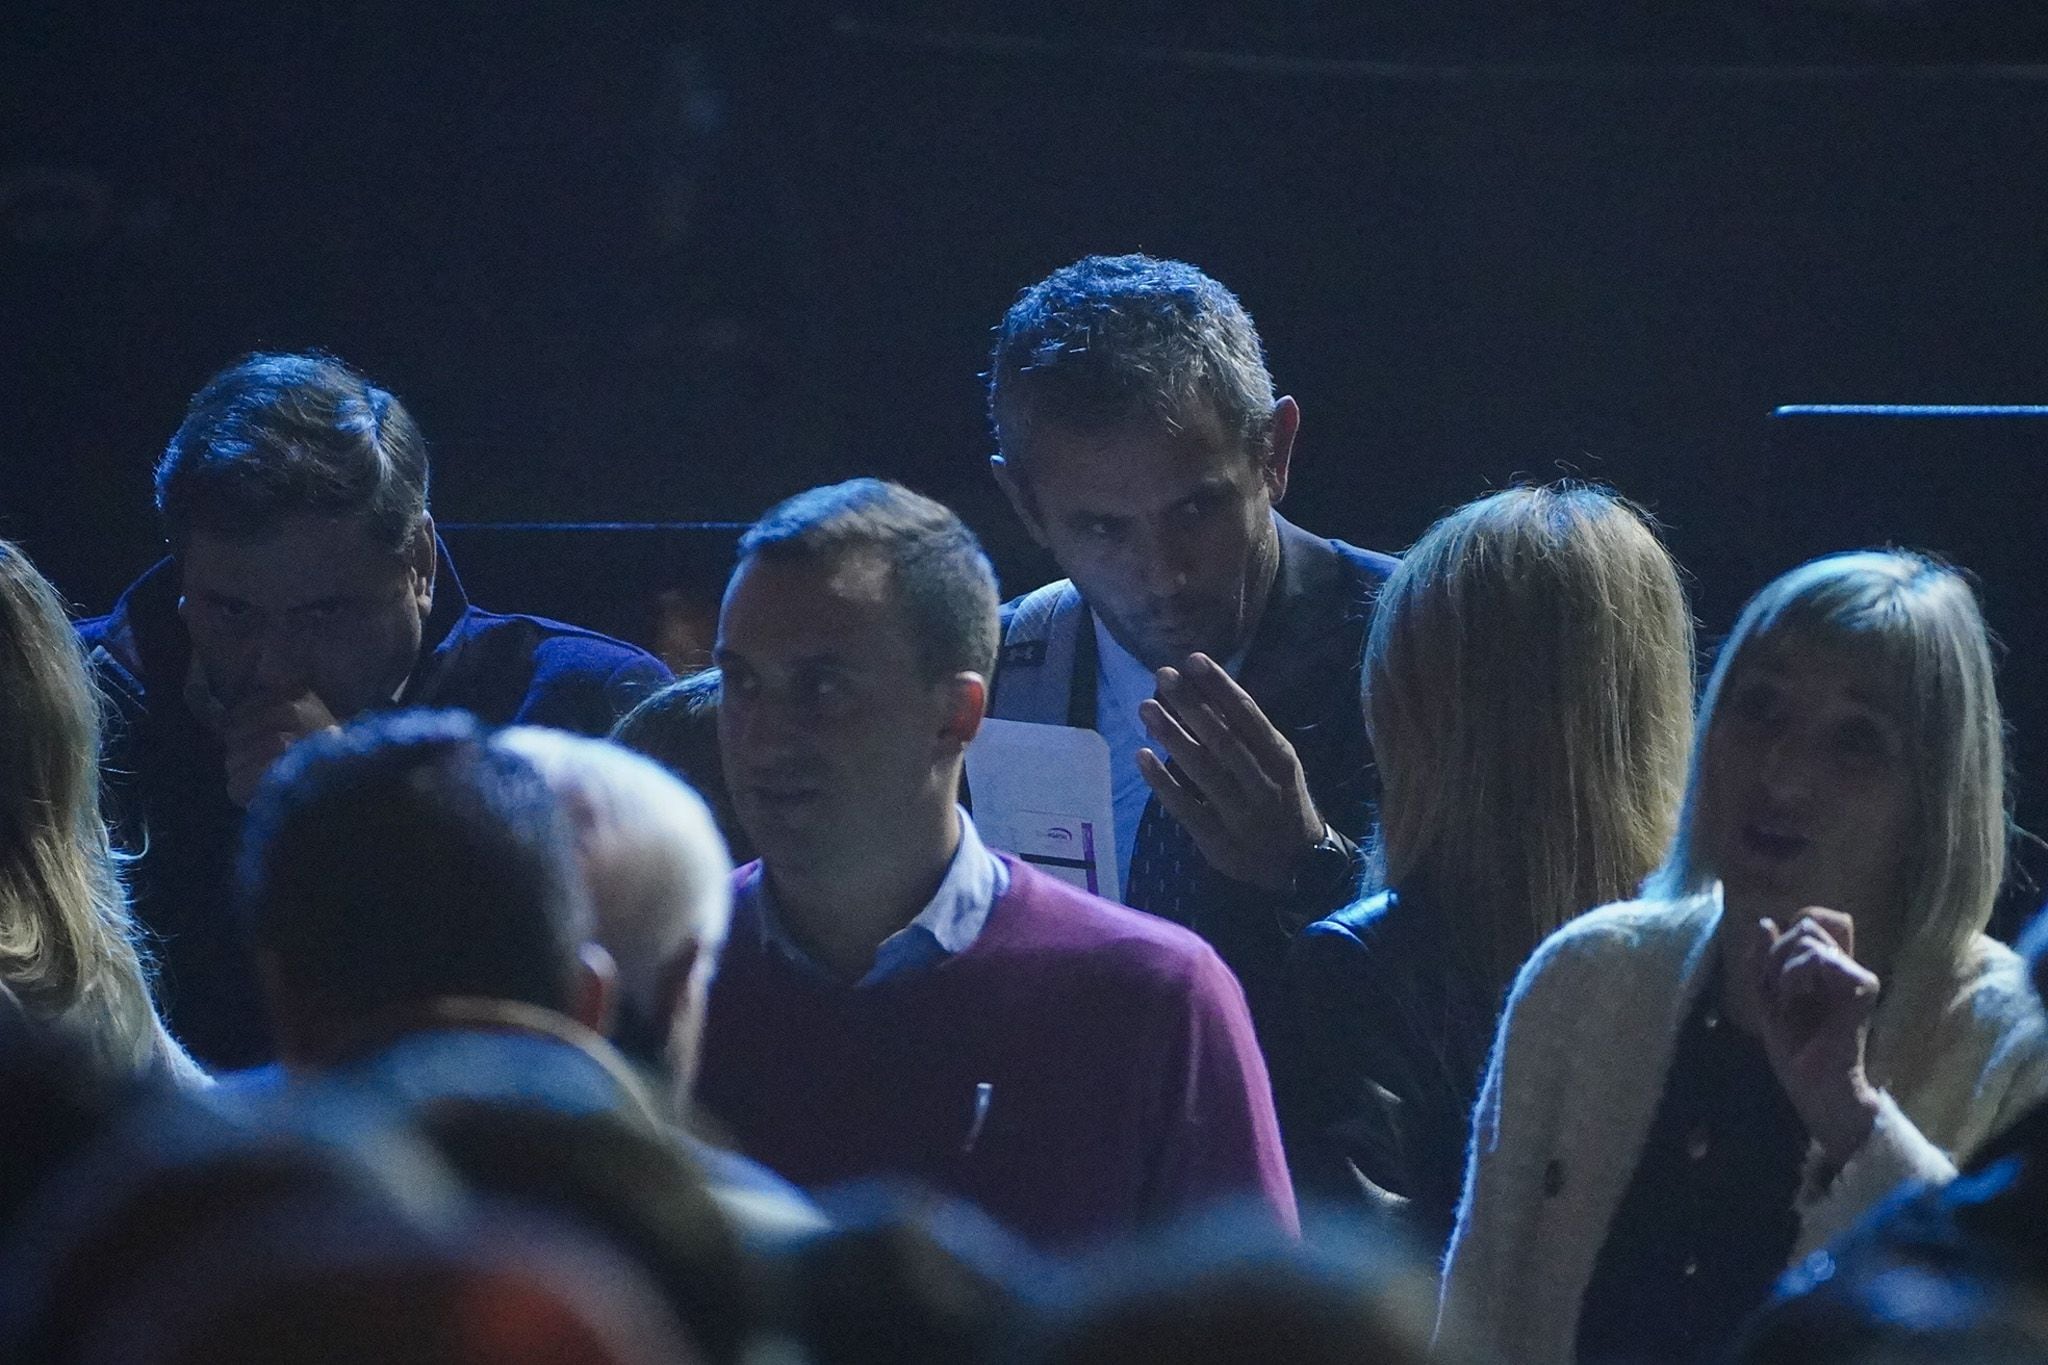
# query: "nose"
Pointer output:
{"type": "Point", "coordinates": [280, 663]}
{"type": "Point", "coordinates": [1786, 768]}
{"type": "Point", "coordinates": [1169, 565]}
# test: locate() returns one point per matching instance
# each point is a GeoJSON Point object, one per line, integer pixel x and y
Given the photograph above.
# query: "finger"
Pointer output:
{"type": "Point", "coordinates": [1268, 747]}
{"type": "Point", "coordinates": [1202, 720]}
{"type": "Point", "coordinates": [1756, 948]}
{"type": "Point", "coordinates": [1826, 973]}
{"type": "Point", "coordinates": [1840, 926]}
{"type": "Point", "coordinates": [1185, 804]}
{"type": "Point", "coordinates": [278, 718]}
{"type": "Point", "coordinates": [1197, 763]}
{"type": "Point", "coordinates": [1804, 933]}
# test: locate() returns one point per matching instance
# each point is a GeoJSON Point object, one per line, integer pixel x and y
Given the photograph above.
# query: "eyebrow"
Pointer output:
{"type": "Point", "coordinates": [720, 654]}
{"type": "Point", "coordinates": [1082, 516]}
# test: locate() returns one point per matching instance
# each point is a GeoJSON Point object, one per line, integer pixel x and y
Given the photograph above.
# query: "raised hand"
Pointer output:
{"type": "Point", "coordinates": [1815, 1006]}
{"type": "Point", "coordinates": [257, 735]}
{"type": "Point", "coordinates": [1236, 783]}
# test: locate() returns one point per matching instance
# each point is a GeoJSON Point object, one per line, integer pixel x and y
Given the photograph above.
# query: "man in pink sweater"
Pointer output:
{"type": "Point", "coordinates": [897, 1000]}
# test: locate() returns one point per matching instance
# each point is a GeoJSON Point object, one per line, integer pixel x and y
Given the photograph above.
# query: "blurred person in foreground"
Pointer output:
{"type": "Point", "coordinates": [1691, 1090]}
{"type": "Point", "coordinates": [69, 950]}
{"type": "Point", "coordinates": [1219, 1290]}
{"type": "Point", "coordinates": [660, 887]}
{"type": "Point", "coordinates": [895, 999]}
{"type": "Point", "coordinates": [1528, 690]}
{"type": "Point", "coordinates": [305, 585]}
{"type": "Point", "coordinates": [187, 1233]}
{"type": "Point", "coordinates": [424, 934]}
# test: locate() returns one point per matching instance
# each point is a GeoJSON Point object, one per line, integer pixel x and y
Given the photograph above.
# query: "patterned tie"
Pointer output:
{"type": "Point", "coordinates": [1164, 865]}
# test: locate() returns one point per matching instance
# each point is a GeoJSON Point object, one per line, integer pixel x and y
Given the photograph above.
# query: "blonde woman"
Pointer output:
{"type": "Point", "coordinates": [1528, 690]}
{"type": "Point", "coordinates": [1688, 1091]}
{"type": "Point", "coordinates": [67, 946]}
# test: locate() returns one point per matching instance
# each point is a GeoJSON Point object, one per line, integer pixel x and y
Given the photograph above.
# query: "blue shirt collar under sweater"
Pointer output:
{"type": "Point", "coordinates": [948, 924]}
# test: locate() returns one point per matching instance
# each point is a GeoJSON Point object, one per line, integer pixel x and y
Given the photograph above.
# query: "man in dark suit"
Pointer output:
{"type": "Point", "coordinates": [305, 586]}
{"type": "Point", "coordinates": [1213, 644]}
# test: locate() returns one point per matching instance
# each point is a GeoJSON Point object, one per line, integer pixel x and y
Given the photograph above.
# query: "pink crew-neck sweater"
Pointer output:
{"type": "Point", "coordinates": [1078, 1071]}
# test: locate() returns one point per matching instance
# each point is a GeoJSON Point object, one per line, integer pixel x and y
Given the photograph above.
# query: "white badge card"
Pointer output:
{"type": "Point", "coordinates": [1042, 792]}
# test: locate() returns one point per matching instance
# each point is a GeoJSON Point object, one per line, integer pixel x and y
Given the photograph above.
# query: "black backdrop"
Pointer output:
{"type": "Point", "coordinates": [653, 262]}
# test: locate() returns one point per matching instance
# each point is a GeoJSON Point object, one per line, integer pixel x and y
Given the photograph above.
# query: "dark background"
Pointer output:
{"type": "Point", "coordinates": [653, 263]}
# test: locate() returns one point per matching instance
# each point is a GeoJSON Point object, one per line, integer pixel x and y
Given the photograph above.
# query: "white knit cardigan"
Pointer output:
{"type": "Point", "coordinates": [1578, 1069]}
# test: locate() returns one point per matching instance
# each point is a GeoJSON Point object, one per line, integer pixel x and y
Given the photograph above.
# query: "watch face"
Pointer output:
{"type": "Point", "coordinates": [1324, 867]}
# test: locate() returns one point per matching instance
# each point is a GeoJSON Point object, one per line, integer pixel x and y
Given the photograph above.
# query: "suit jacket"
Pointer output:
{"type": "Point", "coordinates": [167, 777]}
{"type": "Point", "coordinates": [1302, 667]}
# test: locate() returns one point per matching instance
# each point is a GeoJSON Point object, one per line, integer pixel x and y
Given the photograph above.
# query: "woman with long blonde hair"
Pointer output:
{"type": "Point", "coordinates": [1528, 690]}
{"type": "Point", "coordinates": [67, 945]}
{"type": "Point", "coordinates": [1691, 1090]}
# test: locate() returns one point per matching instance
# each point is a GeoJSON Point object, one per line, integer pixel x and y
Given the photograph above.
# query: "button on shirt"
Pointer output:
{"type": "Point", "coordinates": [949, 923]}
{"type": "Point", "coordinates": [1708, 1221]}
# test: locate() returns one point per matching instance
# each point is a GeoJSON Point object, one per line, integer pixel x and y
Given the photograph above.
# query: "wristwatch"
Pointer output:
{"type": "Point", "coordinates": [1322, 870]}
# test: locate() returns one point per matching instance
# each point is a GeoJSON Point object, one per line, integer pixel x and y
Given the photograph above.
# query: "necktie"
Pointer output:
{"type": "Point", "coordinates": [1164, 866]}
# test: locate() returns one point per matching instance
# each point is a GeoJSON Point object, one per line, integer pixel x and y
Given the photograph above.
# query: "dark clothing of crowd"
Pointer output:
{"type": "Point", "coordinates": [170, 801]}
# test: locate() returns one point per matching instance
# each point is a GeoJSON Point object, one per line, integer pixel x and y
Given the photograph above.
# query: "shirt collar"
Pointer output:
{"type": "Point", "coordinates": [948, 924]}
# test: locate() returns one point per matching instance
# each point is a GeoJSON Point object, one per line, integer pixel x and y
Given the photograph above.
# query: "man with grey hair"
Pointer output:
{"type": "Point", "coordinates": [660, 887]}
{"type": "Point", "coordinates": [1213, 644]}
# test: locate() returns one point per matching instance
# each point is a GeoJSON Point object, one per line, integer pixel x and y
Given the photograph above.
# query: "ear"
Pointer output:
{"type": "Point", "coordinates": [424, 560]}
{"type": "Point", "coordinates": [595, 993]}
{"type": "Point", "coordinates": [966, 696]}
{"type": "Point", "coordinates": [1280, 451]}
{"type": "Point", "coordinates": [1020, 498]}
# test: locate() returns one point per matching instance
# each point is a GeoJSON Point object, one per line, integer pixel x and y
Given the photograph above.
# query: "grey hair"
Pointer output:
{"type": "Point", "coordinates": [657, 872]}
{"type": "Point", "coordinates": [1111, 341]}
{"type": "Point", "coordinates": [1913, 623]}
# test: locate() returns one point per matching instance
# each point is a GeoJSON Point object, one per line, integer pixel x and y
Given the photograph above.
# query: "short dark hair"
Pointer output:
{"type": "Point", "coordinates": [941, 576]}
{"type": "Point", "coordinates": [280, 435]}
{"type": "Point", "coordinates": [406, 858]}
{"type": "Point", "coordinates": [677, 727]}
{"type": "Point", "coordinates": [1113, 340]}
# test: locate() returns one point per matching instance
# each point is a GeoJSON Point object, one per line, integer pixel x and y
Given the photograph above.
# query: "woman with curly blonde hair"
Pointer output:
{"type": "Point", "coordinates": [67, 945]}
